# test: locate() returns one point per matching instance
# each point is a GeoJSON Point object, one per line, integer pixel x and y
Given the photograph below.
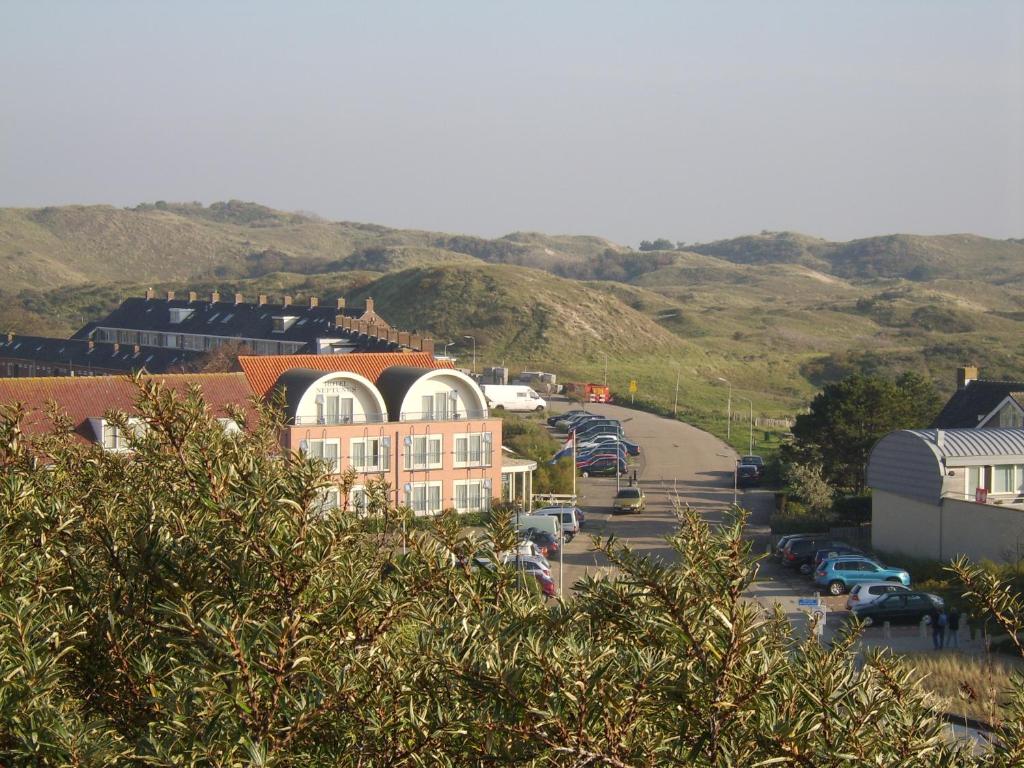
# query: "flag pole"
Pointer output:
{"type": "Point", "coordinates": [573, 467]}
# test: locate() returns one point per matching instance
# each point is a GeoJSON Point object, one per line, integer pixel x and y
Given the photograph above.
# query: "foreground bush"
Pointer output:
{"type": "Point", "coordinates": [189, 604]}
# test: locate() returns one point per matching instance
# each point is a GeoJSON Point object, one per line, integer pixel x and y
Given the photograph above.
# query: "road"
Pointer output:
{"type": "Point", "coordinates": [676, 462]}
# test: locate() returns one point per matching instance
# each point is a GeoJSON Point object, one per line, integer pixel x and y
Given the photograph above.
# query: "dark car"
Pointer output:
{"type": "Point", "coordinates": [554, 419]}
{"type": "Point", "coordinates": [800, 551]}
{"type": "Point", "coordinates": [780, 545]}
{"type": "Point", "coordinates": [602, 466]}
{"type": "Point", "coordinates": [593, 430]}
{"type": "Point", "coordinates": [898, 608]}
{"type": "Point", "coordinates": [747, 475]}
{"type": "Point", "coordinates": [580, 428]}
{"type": "Point", "coordinates": [754, 461]}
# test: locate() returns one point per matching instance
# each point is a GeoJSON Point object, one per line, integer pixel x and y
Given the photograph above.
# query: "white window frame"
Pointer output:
{"type": "Point", "coordinates": [383, 463]}
{"type": "Point", "coordinates": [315, 449]}
{"type": "Point", "coordinates": [464, 446]}
{"type": "Point", "coordinates": [357, 500]}
{"type": "Point", "coordinates": [119, 438]}
{"type": "Point", "coordinates": [329, 501]}
{"type": "Point", "coordinates": [432, 494]}
{"type": "Point", "coordinates": [466, 488]}
{"type": "Point", "coordinates": [1011, 485]}
{"type": "Point", "coordinates": [431, 457]}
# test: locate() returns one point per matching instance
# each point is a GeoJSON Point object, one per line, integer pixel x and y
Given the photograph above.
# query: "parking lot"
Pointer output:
{"type": "Point", "coordinates": [679, 462]}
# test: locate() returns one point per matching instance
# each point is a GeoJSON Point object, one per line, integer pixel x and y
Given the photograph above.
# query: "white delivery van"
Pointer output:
{"type": "Point", "coordinates": [512, 397]}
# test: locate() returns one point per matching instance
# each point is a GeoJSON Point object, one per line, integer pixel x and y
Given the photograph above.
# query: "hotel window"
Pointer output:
{"type": "Point", "coordinates": [424, 498]}
{"type": "Point", "coordinates": [473, 450]}
{"type": "Point", "coordinates": [1002, 479]}
{"type": "Point", "coordinates": [328, 501]}
{"type": "Point", "coordinates": [423, 452]}
{"type": "Point", "coordinates": [371, 454]}
{"type": "Point", "coordinates": [470, 496]}
{"type": "Point", "coordinates": [334, 409]}
{"type": "Point", "coordinates": [112, 439]}
{"type": "Point", "coordinates": [976, 478]}
{"type": "Point", "coordinates": [324, 450]}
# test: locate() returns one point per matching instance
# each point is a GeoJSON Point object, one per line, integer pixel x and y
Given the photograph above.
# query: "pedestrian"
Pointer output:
{"type": "Point", "coordinates": [953, 628]}
{"type": "Point", "coordinates": [933, 619]}
{"type": "Point", "coordinates": [943, 621]}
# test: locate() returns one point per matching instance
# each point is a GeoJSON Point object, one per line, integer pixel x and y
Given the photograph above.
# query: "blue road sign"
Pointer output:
{"type": "Point", "coordinates": [811, 602]}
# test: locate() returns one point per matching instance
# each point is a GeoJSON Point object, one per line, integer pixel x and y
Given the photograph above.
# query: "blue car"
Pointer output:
{"type": "Point", "coordinates": [603, 440]}
{"type": "Point", "coordinates": [839, 574]}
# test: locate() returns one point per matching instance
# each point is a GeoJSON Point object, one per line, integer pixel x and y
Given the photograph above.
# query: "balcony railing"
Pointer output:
{"type": "Point", "coordinates": [331, 421]}
{"type": "Point", "coordinates": [461, 415]}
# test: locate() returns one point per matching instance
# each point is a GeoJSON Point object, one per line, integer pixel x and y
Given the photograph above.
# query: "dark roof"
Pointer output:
{"type": "Point", "coordinates": [99, 356]}
{"type": "Point", "coordinates": [977, 399]}
{"type": "Point", "coordinates": [295, 382]}
{"type": "Point", "coordinates": [394, 383]}
{"type": "Point", "coordinates": [223, 318]}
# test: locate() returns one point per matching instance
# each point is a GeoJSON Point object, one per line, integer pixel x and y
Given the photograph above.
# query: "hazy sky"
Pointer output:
{"type": "Point", "coordinates": [631, 120]}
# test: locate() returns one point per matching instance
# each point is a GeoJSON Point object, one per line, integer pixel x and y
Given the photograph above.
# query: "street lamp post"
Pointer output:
{"type": "Point", "coordinates": [446, 345]}
{"type": "Point", "coordinates": [474, 350]}
{"type": "Point", "coordinates": [675, 402]}
{"type": "Point", "coordinates": [605, 368]}
{"type": "Point", "coordinates": [728, 422]}
{"type": "Point", "coordinates": [750, 448]}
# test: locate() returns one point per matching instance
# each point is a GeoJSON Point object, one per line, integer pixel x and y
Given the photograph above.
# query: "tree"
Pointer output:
{"type": "Point", "coordinates": [191, 603]}
{"type": "Point", "coordinates": [661, 244]}
{"type": "Point", "coordinates": [221, 359]}
{"type": "Point", "coordinates": [847, 418]}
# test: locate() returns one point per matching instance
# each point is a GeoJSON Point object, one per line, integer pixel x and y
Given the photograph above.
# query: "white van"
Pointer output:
{"type": "Point", "coordinates": [512, 397]}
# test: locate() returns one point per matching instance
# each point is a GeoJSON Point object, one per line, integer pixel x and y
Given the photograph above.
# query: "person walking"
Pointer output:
{"type": "Point", "coordinates": [953, 628]}
{"type": "Point", "coordinates": [933, 619]}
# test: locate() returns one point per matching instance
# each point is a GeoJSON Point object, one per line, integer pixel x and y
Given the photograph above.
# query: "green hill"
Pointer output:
{"type": "Point", "coordinates": [778, 314]}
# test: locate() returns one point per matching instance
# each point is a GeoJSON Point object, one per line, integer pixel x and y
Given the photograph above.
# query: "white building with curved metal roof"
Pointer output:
{"type": "Point", "coordinates": [940, 493]}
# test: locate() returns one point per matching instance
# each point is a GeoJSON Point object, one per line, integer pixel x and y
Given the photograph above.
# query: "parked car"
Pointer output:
{"type": "Point", "coordinates": [528, 564]}
{"type": "Point", "coordinates": [547, 585]}
{"type": "Point", "coordinates": [747, 476]}
{"type": "Point", "coordinates": [583, 427]}
{"type": "Point", "coordinates": [829, 553]}
{"type": "Point", "coordinates": [592, 430]}
{"type": "Point", "coordinates": [602, 466]}
{"type": "Point", "coordinates": [838, 575]}
{"type": "Point", "coordinates": [633, 449]}
{"type": "Point", "coordinates": [579, 418]}
{"type": "Point", "coordinates": [512, 397]}
{"type": "Point", "coordinates": [567, 517]}
{"type": "Point", "coordinates": [898, 608]}
{"type": "Point", "coordinates": [754, 461]}
{"type": "Point", "coordinates": [546, 542]}
{"type": "Point", "coordinates": [800, 551]}
{"type": "Point", "coordinates": [629, 500]}
{"type": "Point", "coordinates": [869, 591]}
{"type": "Point", "coordinates": [557, 417]}
{"type": "Point", "coordinates": [780, 545]}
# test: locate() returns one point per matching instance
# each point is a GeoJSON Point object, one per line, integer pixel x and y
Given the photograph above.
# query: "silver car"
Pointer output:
{"type": "Point", "coordinates": [869, 591]}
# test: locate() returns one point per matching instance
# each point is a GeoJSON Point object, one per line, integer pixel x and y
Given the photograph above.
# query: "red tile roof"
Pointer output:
{"type": "Point", "coordinates": [264, 370]}
{"type": "Point", "coordinates": [85, 397]}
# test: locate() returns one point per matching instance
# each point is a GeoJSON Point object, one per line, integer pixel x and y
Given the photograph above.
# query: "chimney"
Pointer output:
{"type": "Point", "coordinates": [215, 297]}
{"type": "Point", "coordinates": [261, 299]}
{"type": "Point", "coordinates": [341, 304]}
{"type": "Point", "coordinates": [403, 338]}
{"type": "Point", "coordinates": [427, 346]}
{"type": "Point", "coordinates": [286, 301]}
{"type": "Point", "coordinates": [136, 349]}
{"type": "Point", "coordinates": [117, 347]}
{"type": "Point", "coordinates": [313, 302]}
{"type": "Point", "coordinates": [170, 295]}
{"type": "Point", "coordinates": [965, 376]}
{"type": "Point", "coordinates": [239, 298]}
{"type": "Point", "coordinates": [415, 341]}
{"type": "Point", "coordinates": [192, 297]}
{"type": "Point", "coordinates": [10, 337]}
{"type": "Point", "coordinates": [369, 305]}
{"type": "Point", "coordinates": [940, 439]}
{"type": "Point", "coordinates": [92, 345]}
{"type": "Point", "coordinates": [339, 321]}
{"type": "Point", "coordinates": [150, 294]}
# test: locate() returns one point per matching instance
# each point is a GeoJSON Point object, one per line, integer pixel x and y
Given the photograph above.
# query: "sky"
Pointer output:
{"type": "Point", "coordinates": [691, 121]}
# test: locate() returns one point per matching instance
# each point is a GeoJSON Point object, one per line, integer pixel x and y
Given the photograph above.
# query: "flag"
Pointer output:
{"type": "Point", "coordinates": [564, 451]}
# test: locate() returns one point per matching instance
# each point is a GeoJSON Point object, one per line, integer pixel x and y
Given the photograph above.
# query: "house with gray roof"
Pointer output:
{"type": "Point", "coordinates": [982, 404]}
{"type": "Point", "coordinates": [941, 493]}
